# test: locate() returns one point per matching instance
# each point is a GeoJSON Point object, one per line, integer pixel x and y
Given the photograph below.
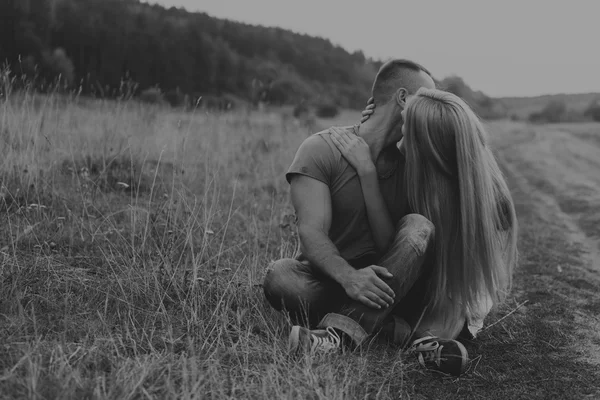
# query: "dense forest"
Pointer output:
{"type": "Point", "coordinates": [113, 48]}
{"type": "Point", "coordinates": [98, 45]}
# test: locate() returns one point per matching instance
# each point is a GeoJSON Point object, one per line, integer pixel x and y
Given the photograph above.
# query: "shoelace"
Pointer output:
{"type": "Point", "coordinates": [431, 351]}
{"type": "Point", "coordinates": [331, 342]}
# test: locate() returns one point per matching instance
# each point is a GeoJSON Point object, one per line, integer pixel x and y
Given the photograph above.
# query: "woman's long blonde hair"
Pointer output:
{"type": "Point", "coordinates": [454, 180]}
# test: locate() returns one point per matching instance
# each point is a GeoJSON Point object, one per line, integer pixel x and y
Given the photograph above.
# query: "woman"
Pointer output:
{"type": "Point", "coordinates": [452, 179]}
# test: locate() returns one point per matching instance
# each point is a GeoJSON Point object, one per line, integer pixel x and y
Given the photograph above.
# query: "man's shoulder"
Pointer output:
{"type": "Point", "coordinates": [349, 128]}
{"type": "Point", "coordinates": [318, 158]}
{"type": "Point", "coordinates": [323, 138]}
{"type": "Point", "coordinates": [316, 145]}
{"type": "Point", "coordinates": [317, 138]}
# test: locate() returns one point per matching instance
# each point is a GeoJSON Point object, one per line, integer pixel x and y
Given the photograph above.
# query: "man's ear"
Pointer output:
{"type": "Point", "coordinates": [400, 97]}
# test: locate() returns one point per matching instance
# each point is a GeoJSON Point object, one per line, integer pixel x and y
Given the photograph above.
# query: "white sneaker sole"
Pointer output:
{"type": "Point", "coordinates": [294, 339]}
{"type": "Point", "coordinates": [465, 356]}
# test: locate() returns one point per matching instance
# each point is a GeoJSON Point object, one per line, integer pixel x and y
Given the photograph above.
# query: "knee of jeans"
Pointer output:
{"type": "Point", "coordinates": [277, 282]}
{"type": "Point", "coordinates": [419, 230]}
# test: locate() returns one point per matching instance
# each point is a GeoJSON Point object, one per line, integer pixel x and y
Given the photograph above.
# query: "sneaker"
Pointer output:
{"type": "Point", "coordinates": [319, 340]}
{"type": "Point", "coordinates": [444, 355]}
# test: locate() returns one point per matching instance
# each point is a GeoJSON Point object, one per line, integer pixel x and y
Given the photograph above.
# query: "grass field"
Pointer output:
{"type": "Point", "coordinates": [134, 241]}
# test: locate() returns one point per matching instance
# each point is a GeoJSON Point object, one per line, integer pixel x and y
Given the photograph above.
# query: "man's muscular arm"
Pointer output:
{"type": "Point", "coordinates": [312, 202]}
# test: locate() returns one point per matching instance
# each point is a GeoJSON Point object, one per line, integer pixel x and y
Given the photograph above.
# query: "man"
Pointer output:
{"type": "Point", "coordinates": [342, 282]}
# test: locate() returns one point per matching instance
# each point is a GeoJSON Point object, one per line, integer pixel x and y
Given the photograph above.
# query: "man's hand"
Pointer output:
{"type": "Point", "coordinates": [365, 285]}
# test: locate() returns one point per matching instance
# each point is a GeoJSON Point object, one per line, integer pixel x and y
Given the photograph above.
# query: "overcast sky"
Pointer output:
{"type": "Point", "coordinates": [502, 47]}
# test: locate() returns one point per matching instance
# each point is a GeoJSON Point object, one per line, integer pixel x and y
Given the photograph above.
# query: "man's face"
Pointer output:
{"type": "Point", "coordinates": [426, 81]}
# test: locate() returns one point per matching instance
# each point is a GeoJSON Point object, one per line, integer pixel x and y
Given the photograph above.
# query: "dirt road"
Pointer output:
{"type": "Point", "coordinates": [557, 167]}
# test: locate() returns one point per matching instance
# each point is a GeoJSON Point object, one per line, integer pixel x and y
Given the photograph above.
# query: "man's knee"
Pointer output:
{"type": "Point", "coordinates": [415, 221]}
{"type": "Point", "coordinates": [279, 280]}
{"type": "Point", "coordinates": [418, 230]}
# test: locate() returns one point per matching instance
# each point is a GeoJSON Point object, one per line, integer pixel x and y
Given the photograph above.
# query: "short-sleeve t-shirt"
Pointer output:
{"type": "Point", "coordinates": [318, 158]}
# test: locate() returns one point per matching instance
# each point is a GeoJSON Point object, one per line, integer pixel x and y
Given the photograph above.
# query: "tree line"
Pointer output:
{"type": "Point", "coordinates": [112, 48]}
{"type": "Point", "coordinates": [106, 47]}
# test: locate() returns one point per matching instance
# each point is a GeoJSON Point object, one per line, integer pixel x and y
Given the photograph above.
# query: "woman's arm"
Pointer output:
{"type": "Point", "coordinates": [356, 151]}
{"type": "Point", "coordinates": [380, 220]}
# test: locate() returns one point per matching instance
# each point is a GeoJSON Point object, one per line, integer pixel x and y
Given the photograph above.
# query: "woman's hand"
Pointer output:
{"type": "Point", "coordinates": [368, 111]}
{"type": "Point", "coordinates": [354, 149]}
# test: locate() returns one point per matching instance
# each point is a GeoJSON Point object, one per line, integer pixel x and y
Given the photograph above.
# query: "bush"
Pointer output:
{"type": "Point", "coordinates": [593, 111]}
{"type": "Point", "coordinates": [225, 102]}
{"type": "Point", "coordinates": [59, 64]}
{"type": "Point", "coordinates": [483, 105]}
{"type": "Point", "coordinates": [327, 111]}
{"type": "Point", "coordinates": [300, 110]}
{"type": "Point", "coordinates": [555, 111]}
{"type": "Point", "coordinates": [152, 96]}
{"type": "Point", "coordinates": [289, 89]}
{"type": "Point", "coordinates": [176, 98]}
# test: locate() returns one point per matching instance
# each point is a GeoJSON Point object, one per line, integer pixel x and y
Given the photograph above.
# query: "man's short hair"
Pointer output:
{"type": "Point", "coordinates": [395, 74]}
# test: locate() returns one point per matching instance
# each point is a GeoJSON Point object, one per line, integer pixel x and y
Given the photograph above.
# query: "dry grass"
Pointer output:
{"type": "Point", "coordinates": [133, 245]}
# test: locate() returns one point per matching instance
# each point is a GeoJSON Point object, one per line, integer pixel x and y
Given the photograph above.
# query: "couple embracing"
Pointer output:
{"type": "Point", "coordinates": [406, 225]}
